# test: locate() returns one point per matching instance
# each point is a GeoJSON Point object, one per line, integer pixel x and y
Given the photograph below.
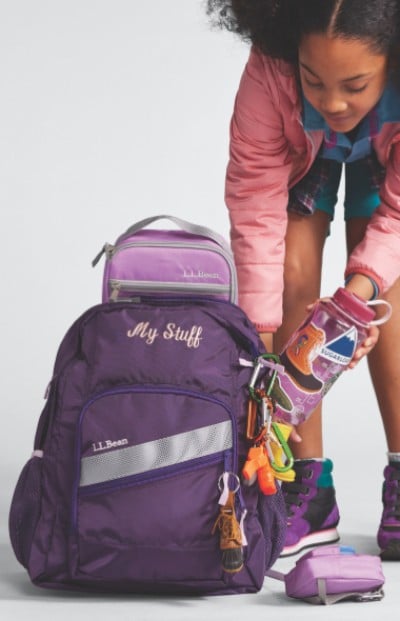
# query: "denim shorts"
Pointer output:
{"type": "Point", "coordinates": [361, 195]}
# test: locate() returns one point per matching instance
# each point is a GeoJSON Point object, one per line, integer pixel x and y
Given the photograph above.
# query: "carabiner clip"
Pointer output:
{"type": "Point", "coordinates": [285, 448]}
{"type": "Point", "coordinates": [254, 378]}
{"type": "Point", "coordinates": [264, 361]}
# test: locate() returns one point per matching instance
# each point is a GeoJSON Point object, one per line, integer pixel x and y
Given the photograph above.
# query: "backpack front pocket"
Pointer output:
{"type": "Point", "coordinates": [148, 461]}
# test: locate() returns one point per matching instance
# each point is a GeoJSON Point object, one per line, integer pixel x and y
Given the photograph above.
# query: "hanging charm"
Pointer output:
{"type": "Point", "coordinates": [231, 539]}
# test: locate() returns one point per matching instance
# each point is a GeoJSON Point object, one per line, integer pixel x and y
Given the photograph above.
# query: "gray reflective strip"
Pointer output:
{"type": "Point", "coordinates": [161, 453]}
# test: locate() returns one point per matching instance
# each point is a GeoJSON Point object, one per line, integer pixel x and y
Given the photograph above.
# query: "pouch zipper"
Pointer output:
{"type": "Point", "coordinates": [148, 286]}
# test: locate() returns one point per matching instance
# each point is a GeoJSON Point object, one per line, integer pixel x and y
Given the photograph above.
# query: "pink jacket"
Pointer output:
{"type": "Point", "coordinates": [269, 153]}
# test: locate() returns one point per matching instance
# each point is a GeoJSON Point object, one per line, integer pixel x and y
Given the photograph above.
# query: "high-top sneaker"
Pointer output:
{"type": "Point", "coordinates": [312, 512]}
{"type": "Point", "coordinates": [389, 528]}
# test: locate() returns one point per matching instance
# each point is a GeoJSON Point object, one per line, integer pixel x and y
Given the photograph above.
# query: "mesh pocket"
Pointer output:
{"type": "Point", "coordinates": [272, 516]}
{"type": "Point", "coordinates": [25, 509]}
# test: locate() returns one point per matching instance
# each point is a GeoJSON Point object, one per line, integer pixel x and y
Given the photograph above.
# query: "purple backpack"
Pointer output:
{"type": "Point", "coordinates": [191, 260]}
{"type": "Point", "coordinates": [143, 432]}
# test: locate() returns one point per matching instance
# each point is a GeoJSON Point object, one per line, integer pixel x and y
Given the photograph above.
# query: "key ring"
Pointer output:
{"type": "Point", "coordinates": [224, 479]}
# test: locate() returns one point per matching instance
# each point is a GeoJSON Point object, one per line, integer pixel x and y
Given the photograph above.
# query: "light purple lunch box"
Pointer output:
{"type": "Point", "coordinates": [191, 260]}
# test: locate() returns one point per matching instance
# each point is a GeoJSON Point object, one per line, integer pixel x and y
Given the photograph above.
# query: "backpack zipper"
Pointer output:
{"type": "Point", "coordinates": [158, 287]}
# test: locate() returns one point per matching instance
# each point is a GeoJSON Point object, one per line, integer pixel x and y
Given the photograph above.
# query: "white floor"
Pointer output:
{"type": "Point", "coordinates": [21, 600]}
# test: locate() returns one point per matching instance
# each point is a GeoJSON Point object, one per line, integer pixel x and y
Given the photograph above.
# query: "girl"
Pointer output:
{"type": "Point", "coordinates": [320, 92]}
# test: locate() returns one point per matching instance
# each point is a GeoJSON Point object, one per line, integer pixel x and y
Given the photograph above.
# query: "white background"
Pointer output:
{"type": "Point", "coordinates": [110, 111]}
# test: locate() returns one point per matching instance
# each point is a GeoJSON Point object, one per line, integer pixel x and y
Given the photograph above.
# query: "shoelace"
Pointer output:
{"type": "Point", "coordinates": [292, 491]}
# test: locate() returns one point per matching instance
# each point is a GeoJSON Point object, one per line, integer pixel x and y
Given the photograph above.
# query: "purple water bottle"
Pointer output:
{"type": "Point", "coordinates": [319, 350]}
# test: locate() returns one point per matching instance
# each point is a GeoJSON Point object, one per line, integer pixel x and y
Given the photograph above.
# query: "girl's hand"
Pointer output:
{"type": "Point", "coordinates": [365, 347]}
{"type": "Point", "coordinates": [361, 286]}
{"type": "Point", "coordinates": [294, 436]}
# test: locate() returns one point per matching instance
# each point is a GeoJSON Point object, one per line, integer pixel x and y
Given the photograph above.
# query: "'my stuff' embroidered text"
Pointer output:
{"type": "Point", "coordinates": [172, 332]}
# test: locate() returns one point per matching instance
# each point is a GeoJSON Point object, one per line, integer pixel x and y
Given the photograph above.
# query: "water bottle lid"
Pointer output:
{"type": "Point", "coordinates": [352, 304]}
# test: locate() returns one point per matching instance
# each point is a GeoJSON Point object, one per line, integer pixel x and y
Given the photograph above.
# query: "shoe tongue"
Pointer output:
{"type": "Point", "coordinates": [395, 464]}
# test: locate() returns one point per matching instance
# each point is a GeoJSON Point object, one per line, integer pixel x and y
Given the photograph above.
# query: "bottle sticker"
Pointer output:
{"type": "Point", "coordinates": [341, 349]}
{"type": "Point", "coordinates": [299, 357]}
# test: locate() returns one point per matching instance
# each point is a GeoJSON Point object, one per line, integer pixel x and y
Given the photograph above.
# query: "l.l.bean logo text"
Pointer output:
{"type": "Point", "coordinates": [191, 337]}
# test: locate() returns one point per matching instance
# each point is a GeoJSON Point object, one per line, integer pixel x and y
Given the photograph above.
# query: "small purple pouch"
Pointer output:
{"type": "Point", "coordinates": [330, 574]}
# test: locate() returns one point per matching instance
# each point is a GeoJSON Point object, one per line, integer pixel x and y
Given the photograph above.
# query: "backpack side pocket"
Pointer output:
{"type": "Point", "coordinates": [272, 516]}
{"type": "Point", "coordinates": [25, 509]}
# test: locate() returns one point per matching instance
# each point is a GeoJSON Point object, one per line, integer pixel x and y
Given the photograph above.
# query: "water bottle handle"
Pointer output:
{"type": "Point", "coordinates": [388, 314]}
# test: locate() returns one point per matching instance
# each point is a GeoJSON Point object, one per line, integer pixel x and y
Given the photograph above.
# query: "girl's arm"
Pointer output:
{"type": "Point", "coordinates": [378, 254]}
{"type": "Point", "coordinates": [257, 193]}
{"type": "Point", "coordinates": [361, 285]}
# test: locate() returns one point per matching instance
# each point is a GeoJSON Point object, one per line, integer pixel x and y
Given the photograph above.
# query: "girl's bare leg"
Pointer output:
{"type": "Point", "coordinates": [384, 359]}
{"type": "Point", "coordinates": [305, 239]}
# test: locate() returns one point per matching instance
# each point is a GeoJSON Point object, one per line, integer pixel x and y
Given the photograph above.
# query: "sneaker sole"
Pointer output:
{"type": "Point", "coordinates": [320, 538]}
{"type": "Point", "coordinates": [391, 552]}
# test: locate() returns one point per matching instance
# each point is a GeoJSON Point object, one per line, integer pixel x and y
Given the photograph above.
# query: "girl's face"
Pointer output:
{"type": "Point", "coordinates": [341, 78]}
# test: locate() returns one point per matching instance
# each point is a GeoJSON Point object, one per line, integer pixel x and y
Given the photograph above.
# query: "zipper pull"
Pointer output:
{"type": "Point", "coordinates": [115, 289]}
{"type": "Point", "coordinates": [241, 524]}
{"type": "Point", "coordinates": [107, 249]}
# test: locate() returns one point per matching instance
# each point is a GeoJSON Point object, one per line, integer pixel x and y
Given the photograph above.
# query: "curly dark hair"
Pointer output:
{"type": "Point", "coordinates": [277, 26]}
